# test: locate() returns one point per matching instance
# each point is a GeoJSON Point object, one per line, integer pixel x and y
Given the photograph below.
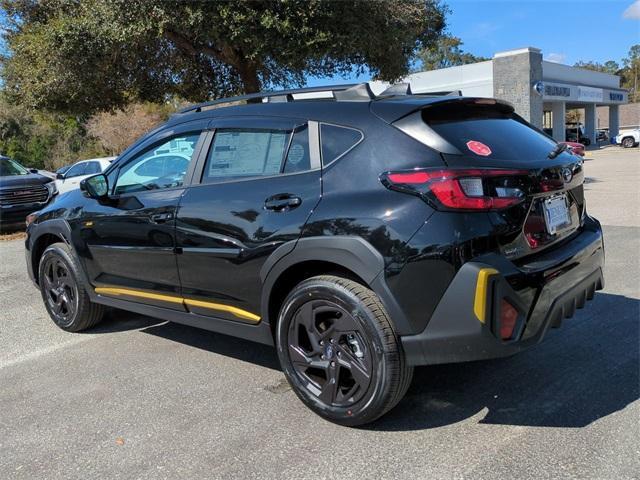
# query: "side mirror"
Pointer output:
{"type": "Point", "coordinates": [33, 170]}
{"type": "Point", "coordinates": [96, 186]}
{"type": "Point", "coordinates": [60, 176]}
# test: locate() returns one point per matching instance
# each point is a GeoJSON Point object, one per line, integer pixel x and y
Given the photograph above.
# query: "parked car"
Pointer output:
{"type": "Point", "coordinates": [628, 138]}
{"type": "Point", "coordinates": [575, 148]}
{"type": "Point", "coordinates": [359, 235]}
{"type": "Point", "coordinates": [576, 133]}
{"type": "Point", "coordinates": [602, 136]}
{"type": "Point", "coordinates": [70, 178]}
{"type": "Point", "coordinates": [22, 191]}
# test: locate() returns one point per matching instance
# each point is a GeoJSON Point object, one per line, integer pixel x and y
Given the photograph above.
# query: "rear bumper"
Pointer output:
{"type": "Point", "coordinates": [466, 322]}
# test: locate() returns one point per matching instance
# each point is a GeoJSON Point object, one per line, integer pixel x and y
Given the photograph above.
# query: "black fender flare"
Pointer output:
{"type": "Point", "coordinates": [352, 253]}
{"type": "Point", "coordinates": [60, 228]}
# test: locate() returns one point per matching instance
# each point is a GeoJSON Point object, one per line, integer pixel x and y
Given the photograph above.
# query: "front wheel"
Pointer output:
{"type": "Point", "coordinates": [64, 294]}
{"type": "Point", "coordinates": [628, 142]}
{"type": "Point", "coordinates": [340, 352]}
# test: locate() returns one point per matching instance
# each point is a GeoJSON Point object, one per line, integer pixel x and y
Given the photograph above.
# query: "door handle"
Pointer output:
{"type": "Point", "coordinates": [282, 202]}
{"type": "Point", "coordinates": [161, 217]}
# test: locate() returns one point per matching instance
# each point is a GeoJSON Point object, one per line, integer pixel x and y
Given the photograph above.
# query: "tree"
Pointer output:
{"type": "Point", "coordinates": [609, 66]}
{"type": "Point", "coordinates": [446, 52]}
{"type": "Point", "coordinates": [115, 131]}
{"type": "Point", "coordinates": [630, 73]}
{"type": "Point", "coordinates": [43, 139]}
{"type": "Point", "coordinates": [88, 55]}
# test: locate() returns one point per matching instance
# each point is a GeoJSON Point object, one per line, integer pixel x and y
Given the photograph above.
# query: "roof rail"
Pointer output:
{"type": "Point", "coordinates": [279, 96]}
{"type": "Point", "coordinates": [351, 92]}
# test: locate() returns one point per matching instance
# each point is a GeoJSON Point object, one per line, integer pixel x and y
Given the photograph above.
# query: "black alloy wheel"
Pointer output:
{"type": "Point", "coordinates": [65, 295]}
{"type": "Point", "coordinates": [339, 351]}
{"type": "Point", "coordinates": [328, 351]}
{"type": "Point", "coordinates": [60, 291]}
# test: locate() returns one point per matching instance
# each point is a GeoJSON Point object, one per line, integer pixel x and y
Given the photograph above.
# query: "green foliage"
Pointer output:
{"type": "Point", "coordinates": [43, 140]}
{"type": "Point", "coordinates": [628, 73]}
{"type": "Point", "coordinates": [610, 66]}
{"type": "Point", "coordinates": [90, 55]}
{"type": "Point", "coordinates": [446, 52]}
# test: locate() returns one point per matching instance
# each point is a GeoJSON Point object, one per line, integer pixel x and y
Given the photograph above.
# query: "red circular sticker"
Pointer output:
{"type": "Point", "coordinates": [478, 148]}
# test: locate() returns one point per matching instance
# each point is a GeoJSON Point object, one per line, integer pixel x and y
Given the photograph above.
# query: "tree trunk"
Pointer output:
{"type": "Point", "coordinates": [248, 72]}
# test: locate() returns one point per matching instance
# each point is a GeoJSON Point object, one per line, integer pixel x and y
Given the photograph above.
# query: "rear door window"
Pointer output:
{"type": "Point", "coordinates": [242, 153]}
{"type": "Point", "coordinates": [298, 157]}
{"type": "Point", "coordinates": [471, 127]}
{"type": "Point", "coordinates": [336, 141]}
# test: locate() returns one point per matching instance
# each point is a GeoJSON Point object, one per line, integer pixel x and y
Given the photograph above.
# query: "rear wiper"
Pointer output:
{"type": "Point", "coordinates": [559, 148]}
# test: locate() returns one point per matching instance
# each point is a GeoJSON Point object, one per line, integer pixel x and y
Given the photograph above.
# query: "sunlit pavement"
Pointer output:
{"type": "Point", "coordinates": [136, 398]}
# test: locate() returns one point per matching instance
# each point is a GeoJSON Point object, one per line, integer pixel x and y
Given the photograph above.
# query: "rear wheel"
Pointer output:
{"type": "Point", "coordinates": [65, 297]}
{"type": "Point", "coordinates": [339, 351]}
{"type": "Point", "coordinates": [628, 142]}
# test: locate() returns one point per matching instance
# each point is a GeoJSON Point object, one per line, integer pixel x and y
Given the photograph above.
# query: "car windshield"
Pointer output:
{"type": "Point", "coordinates": [10, 168]}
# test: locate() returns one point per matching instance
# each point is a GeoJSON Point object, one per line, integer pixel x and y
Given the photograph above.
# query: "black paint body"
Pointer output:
{"type": "Point", "coordinates": [220, 243]}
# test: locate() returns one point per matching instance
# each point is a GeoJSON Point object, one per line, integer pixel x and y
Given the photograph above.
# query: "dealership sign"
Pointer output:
{"type": "Point", "coordinates": [590, 94]}
{"type": "Point", "coordinates": [557, 91]}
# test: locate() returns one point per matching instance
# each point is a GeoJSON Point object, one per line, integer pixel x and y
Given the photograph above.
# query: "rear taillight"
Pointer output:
{"type": "Point", "coordinates": [477, 189]}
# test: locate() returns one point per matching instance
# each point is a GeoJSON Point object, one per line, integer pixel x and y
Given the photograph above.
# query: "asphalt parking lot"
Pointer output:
{"type": "Point", "coordinates": [137, 398]}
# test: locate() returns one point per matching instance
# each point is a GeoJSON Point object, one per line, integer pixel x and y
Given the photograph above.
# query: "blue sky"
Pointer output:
{"type": "Point", "coordinates": [565, 31]}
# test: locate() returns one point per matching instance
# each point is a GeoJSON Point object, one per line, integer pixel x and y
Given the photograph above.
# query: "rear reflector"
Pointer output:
{"type": "Point", "coordinates": [508, 319]}
{"type": "Point", "coordinates": [474, 190]}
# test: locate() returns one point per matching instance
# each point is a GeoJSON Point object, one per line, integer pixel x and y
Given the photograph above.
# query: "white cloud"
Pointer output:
{"type": "Point", "coordinates": [557, 57]}
{"type": "Point", "coordinates": [633, 11]}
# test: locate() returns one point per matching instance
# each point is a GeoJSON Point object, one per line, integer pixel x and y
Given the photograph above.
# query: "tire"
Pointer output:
{"type": "Point", "coordinates": [339, 351]}
{"type": "Point", "coordinates": [63, 291]}
{"type": "Point", "coordinates": [628, 142]}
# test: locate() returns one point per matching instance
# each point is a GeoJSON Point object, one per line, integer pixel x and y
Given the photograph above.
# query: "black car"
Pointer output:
{"type": "Point", "coordinates": [361, 235]}
{"type": "Point", "coordinates": [22, 191]}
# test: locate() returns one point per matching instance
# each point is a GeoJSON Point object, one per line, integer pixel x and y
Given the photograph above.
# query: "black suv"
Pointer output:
{"type": "Point", "coordinates": [22, 191]}
{"type": "Point", "coordinates": [361, 235]}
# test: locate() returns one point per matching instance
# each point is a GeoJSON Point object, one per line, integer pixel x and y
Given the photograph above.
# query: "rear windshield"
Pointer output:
{"type": "Point", "coordinates": [471, 128]}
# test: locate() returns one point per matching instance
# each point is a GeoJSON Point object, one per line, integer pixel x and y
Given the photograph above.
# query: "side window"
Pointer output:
{"type": "Point", "coordinates": [77, 170]}
{"type": "Point", "coordinates": [336, 141]}
{"type": "Point", "coordinates": [92, 167]}
{"type": "Point", "coordinates": [298, 158]}
{"type": "Point", "coordinates": [238, 153]}
{"type": "Point", "coordinates": [163, 166]}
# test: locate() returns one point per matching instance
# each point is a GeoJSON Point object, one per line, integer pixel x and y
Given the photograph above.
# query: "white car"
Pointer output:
{"type": "Point", "coordinates": [629, 138]}
{"type": "Point", "coordinates": [70, 179]}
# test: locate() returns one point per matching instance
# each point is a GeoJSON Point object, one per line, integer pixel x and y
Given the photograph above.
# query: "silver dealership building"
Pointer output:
{"type": "Point", "coordinates": [535, 87]}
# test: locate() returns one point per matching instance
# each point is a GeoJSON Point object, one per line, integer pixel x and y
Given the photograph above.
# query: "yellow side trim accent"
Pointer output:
{"type": "Point", "coordinates": [238, 312]}
{"type": "Point", "coordinates": [137, 293]}
{"type": "Point", "coordinates": [482, 290]}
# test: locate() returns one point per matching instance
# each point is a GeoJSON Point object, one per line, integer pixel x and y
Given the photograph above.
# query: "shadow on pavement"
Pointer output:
{"type": "Point", "coordinates": [586, 370]}
{"type": "Point", "coordinates": [121, 321]}
{"type": "Point", "coordinates": [233, 347]}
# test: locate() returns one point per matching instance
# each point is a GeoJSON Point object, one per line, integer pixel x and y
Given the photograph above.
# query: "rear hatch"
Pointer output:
{"type": "Point", "coordinates": [512, 159]}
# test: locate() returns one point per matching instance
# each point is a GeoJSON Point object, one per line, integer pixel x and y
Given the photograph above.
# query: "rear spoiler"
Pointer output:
{"type": "Point", "coordinates": [393, 110]}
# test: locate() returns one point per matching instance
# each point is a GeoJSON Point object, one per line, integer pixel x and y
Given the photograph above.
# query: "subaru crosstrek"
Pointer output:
{"type": "Point", "coordinates": [360, 235]}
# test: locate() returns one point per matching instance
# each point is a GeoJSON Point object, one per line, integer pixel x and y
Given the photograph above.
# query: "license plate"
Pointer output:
{"type": "Point", "coordinates": [556, 213]}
